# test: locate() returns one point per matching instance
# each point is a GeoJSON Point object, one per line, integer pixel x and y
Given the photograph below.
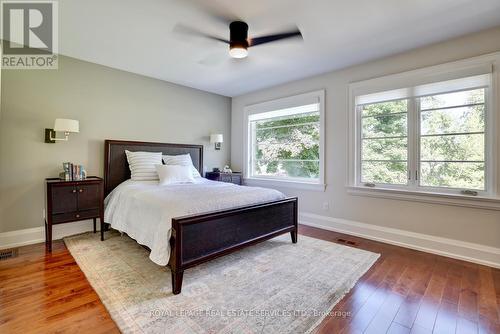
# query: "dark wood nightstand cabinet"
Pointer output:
{"type": "Point", "coordinates": [234, 177]}
{"type": "Point", "coordinates": [70, 201]}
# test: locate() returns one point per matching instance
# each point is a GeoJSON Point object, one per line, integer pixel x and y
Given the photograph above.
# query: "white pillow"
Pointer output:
{"type": "Point", "coordinates": [172, 174]}
{"type": "Point", "coordinates": [183, 160]}
{"type": "Point", "coordinates": [142, 165]}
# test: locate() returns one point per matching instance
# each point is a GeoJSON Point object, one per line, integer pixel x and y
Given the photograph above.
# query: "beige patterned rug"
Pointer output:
{"type": "Point", "coordinates": [272, 287]}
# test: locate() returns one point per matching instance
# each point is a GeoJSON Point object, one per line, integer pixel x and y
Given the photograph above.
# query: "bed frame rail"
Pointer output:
{"type": "Point", "coordinates": [200, 238]}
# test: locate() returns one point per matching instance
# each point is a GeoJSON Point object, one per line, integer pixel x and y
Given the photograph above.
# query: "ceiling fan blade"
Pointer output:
{"type": "Point", "coordinates": [185, 30]}
{"type": "Point", "coordinates": [273, 38]}
{"type": "Point", "coordinates": [218, 12]}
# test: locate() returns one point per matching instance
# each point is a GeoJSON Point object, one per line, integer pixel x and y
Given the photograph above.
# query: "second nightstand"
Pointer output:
{"type": "Point", "coordinates": [70, 201]}
{"type": "Point", "coordinates": [234, 177]}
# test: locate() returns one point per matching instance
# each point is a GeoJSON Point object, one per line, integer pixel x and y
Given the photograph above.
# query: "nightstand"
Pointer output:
{"type": "Point", "coordinates": [71, 201]}
{"type": "Point", "coordinates": [234, 177]}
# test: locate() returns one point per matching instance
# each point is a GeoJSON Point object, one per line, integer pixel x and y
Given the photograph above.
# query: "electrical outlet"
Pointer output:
{"type": "Point", "coordinates": [326, 206]}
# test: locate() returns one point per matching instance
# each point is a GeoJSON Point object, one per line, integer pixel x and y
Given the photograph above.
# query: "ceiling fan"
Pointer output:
{"type": "Point", "coordinates": [239, 42]}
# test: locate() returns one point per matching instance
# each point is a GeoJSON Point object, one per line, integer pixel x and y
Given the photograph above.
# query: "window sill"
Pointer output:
{"type": "Point", "coordinates": [284, 183]}
{"type": "Point", "coordinates": [480, 202]}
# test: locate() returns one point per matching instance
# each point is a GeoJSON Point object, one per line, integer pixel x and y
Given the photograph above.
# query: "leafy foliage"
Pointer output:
{"type": "Point", "coordinates": [455, 161]}
{"type": "Point", "coordinates": [287, 146]}
{"type": "Point", "coordinates": [385, 142]}
{"type": "Point", "coordinates": [451, 143]}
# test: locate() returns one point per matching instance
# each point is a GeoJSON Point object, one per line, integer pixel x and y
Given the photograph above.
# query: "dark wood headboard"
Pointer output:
{"type": "Point", "coordinates": [116, 168]}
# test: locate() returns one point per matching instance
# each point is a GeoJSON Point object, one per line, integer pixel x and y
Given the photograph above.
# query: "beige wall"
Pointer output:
{"type": "Point", "coordinates": [473, 225]}
{"type": "Point", "coordinates": [109, 104]}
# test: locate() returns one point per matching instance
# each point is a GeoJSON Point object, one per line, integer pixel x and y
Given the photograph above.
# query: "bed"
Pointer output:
{"type": "Point", "coordinates": [220, 218]}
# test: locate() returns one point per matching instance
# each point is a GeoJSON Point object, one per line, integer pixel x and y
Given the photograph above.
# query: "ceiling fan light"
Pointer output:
{"type": "Point", "coordinates": [238, 52]}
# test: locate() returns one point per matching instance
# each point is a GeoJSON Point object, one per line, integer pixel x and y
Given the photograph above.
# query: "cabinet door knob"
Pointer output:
{"type": "Point", "coordinates": [74, 191]}
{"type": "Point", "coordinates": [77, 216]}
{"type": "Point", "coordinates": [80, 190]}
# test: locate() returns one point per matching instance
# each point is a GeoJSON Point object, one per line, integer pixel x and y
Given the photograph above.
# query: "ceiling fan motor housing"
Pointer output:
{"type": "Point", "coordinates": [238, 37]}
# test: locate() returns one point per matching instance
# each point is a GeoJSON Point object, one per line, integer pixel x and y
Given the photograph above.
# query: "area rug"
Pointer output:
{"type": "Point", "coordinates": [272, 287]}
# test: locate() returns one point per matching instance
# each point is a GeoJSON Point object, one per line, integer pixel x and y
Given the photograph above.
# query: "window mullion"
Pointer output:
{"type": "Point", "coordinates": [359, 148]}
{"type": "Point", "coordinates": [490, 185]}
{"type": "Point", "coordinates": [253, 148]}
{"type": "Point", "coordinates": [417, 169]}
{"type": "Point", "coordinates": [412, 142]}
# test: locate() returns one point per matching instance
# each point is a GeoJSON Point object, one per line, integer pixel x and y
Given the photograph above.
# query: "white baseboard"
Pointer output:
{"type": "Point", "coordinates": [37, 234]}
{"type": "Point", "coordinates": [467, 251]}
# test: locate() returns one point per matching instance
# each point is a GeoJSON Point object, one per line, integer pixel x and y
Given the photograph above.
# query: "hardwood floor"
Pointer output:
{"type": "Point", "coordinates": [48, 293]}
{"type": "Point", "coordinates": [409, 291]}
{"type": "Point", "coordinates": [406, 291]}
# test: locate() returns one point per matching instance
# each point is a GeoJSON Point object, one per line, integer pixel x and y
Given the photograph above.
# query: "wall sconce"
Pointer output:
{"type": "Point", "coordinates": [217, 139]}
{"type": "Point", "coordinates": [62, 125]}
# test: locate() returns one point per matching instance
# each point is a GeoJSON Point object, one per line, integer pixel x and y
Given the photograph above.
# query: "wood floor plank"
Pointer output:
{"type": "Point", "coordinates": [362, 319]}
{"type": "Point", "coordinates": [487, 302]}
{"type": "Point", "coordinates": [446, 319]}
{"type": "Point", "coordinates": [416, 329]}
{"type": "Point", "coordinates": [496, 282]}
{"type": "Point", "coordinates": [398, 329]}
{"type": "Point", "coordinates": [429, 306]}
{"type": "Point", "coordinates": [468, 299]}
{"type": "Point", "coordinates": [451, 293]}
{"type": "Point", "coordinates": [356, 298]}
{"type": "Point", "coordinates": [417, 286]}
{"type": "Point", "coordinates": [465, 326]}
{"type": "Point", "coordinates": [385, 316]}
{"type": "Point", "coordinates": [394, 282]}
{"type": "Point", "coordinates": [46, 288]}
{"type": "Point", "coordinates": [404, 292]}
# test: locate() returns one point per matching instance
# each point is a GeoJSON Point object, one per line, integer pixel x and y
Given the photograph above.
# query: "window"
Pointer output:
{"type": "Point", "coordinates": [285, 139]}
{"type": "Point", "coordinates": [452, 140]}
{"type": "Point", "coordinates": [426, 138]}
{"type": "Point", "coordinates": [384, 148]}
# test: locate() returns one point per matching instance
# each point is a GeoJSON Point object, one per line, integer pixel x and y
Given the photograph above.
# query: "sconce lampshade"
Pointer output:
{"type": "Point", "coordinates": [216, 138]}
{"type": "Point", "coordinates": [66, 125]}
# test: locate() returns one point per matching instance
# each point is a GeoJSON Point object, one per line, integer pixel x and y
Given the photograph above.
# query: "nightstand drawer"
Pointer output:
{"type": "Point", "coordinates": [234, 177]}
{"type": "Point", "coordinates": [72, 216]}
{"type": "Point", "coordinates": [225, 178]}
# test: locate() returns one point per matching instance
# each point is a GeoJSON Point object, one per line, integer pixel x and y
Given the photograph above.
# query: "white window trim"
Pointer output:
{"type": "Point", "coordinates": [448, 71]}
{"type": "Point", "coordinates": [479, 202]}
{"type": "Point", "coordinates": [283, 183]}
{"type": "Point", "coordinates": [277, 104]}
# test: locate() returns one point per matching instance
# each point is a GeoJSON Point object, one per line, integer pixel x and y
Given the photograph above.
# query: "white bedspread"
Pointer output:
{"type": "Point", "coordinates": [144, 210]}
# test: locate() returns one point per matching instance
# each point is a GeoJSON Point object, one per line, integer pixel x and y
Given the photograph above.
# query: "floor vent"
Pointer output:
{"type": "Point", "coordinates": [347, 242]}
{"type": "Point", "coordinates": [8, 253]}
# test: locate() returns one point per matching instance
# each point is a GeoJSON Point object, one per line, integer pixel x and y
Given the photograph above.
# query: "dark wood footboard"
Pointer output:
{"type": "Point", "coordinates": [200, 238]}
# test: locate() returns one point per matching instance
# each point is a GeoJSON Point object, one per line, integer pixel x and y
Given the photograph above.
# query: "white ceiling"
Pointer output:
{"type": "Point", "coordinates": [137, 36]}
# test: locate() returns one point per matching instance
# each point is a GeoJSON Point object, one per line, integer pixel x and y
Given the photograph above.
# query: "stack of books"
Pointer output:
{"type": "Point", "coordinates": [72, 172]}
